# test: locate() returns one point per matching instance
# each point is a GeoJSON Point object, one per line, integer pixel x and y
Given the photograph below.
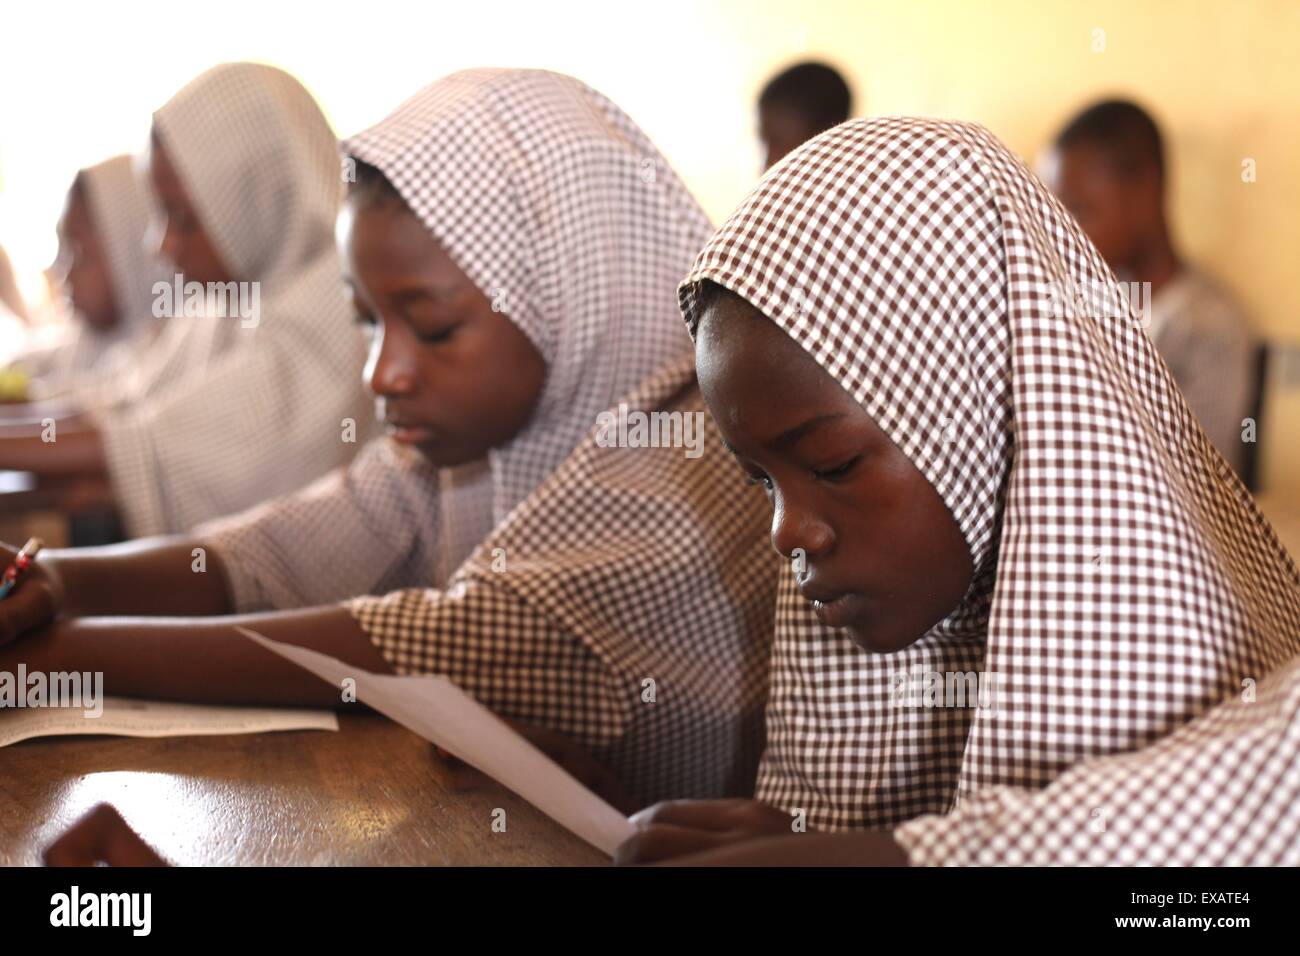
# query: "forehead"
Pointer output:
{"type": "Point", "coordinates": [753, 372]}
{"type": "Point", "coordinates": [1084, 165]}
{"type": "Point", "coordinates": [383, 238]}
{"type": "Point", "coordinates": [778, 119]}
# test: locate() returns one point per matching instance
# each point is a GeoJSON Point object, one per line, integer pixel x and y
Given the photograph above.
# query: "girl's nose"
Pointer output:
{"type": "Point", "coordinates": [797, 527]}
{"type": "Point", "coordinates": [390, 370]}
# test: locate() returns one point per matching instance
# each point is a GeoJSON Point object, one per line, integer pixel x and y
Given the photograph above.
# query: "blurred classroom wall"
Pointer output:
{"type": "Point", "coordinates": [81, 79]}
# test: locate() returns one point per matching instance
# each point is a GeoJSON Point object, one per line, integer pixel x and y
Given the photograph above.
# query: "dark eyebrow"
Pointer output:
{"type": "Point", "coordinates": [407, 296]}
{"type": "Point", "coordinates": [435, 294]}
{"type": "Point", "coordinates": [792, 435]}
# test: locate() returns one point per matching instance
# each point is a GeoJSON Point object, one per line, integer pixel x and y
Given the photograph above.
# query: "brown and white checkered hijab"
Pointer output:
{"type": "Point", "coordinates": [119, 212]}
{"type": "Point", "coordinates": [118, 208]}
{"type": "Point", "coordinates": [564, 214]}
{"type": "Point", "coordinates": [632, 610]}
{"type": "Point", "coordinates": [1125, 582]}
{"type": "Point", "coordinates": [219, 415]}
{"type": "Point", "coordinates": [260, 163]}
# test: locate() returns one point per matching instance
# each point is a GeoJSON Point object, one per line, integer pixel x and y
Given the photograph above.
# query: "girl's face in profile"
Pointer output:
{"type": "Point", "coordinates": [451, 376]}
{"type": "Point", "coordinates": [181, 236]}
{"type": "Point", "coordinates": [83, 266]}
{"type": "Point", "coordinates": [881, 555]}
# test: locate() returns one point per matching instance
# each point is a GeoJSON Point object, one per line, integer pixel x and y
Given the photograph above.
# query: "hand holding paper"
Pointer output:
{"type": "Point", "coordinates": [443, 714]}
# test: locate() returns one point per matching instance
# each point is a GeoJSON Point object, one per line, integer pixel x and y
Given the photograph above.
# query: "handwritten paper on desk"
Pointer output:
{"type": "Point", "coordinates": [442, 713]}
{"type": "Point", "coordinates": [128, 717]}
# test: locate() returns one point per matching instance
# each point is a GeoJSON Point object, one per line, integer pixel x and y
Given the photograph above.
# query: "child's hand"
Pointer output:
{"type": "Point", "coordinates": [33, 603]}
{"type": "Point", "coordinates": [679, 827]}
{"type": "Point", "coordinates": [101, 836]}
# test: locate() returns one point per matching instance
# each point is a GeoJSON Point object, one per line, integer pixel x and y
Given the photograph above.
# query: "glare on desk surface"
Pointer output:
{"type": "Point", "coordinates": [15, 481]}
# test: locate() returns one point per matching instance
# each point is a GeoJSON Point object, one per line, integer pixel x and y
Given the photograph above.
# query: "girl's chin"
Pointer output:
{"type": "Point", "coordinates": [871, 640]}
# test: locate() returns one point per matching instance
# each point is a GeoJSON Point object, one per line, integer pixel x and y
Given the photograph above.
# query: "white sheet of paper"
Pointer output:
{"type": "Point", "coordinates": [442, 713]}
{"type": "Point", "coordinates": [129, 717]}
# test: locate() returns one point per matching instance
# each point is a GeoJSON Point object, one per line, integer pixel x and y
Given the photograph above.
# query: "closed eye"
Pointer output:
{"type": "Point", "coordinates": [442, 335]}
{"type": "Point", "coordinates": [839, 471]}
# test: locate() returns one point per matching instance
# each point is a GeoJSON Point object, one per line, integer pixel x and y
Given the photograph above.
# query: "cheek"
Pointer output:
{"type": "Point", "coordinates": [180, 248]}
{"type": "Point", "coordinates": [484, 382]}
{"type": "Point", "coordinates": [512, 373]}
{"type": "Point", "coordinates": [514, 390]}
{"type": "Point", "coordinates": [213, 267]}
{"type": "Point", "coordinates": [933, 570]}
{"type": "Point", "coordinates": [908, 551]}
{"type": "Point", "coordinates": [90, 292]}
{"type": "Point", "coordinates": [195, 256]}
{"type": "Point", "coordinates": [104, 296]}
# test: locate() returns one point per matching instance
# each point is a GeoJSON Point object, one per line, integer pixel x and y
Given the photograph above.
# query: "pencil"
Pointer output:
{"type": "Point", "coordinates": [21, 563]}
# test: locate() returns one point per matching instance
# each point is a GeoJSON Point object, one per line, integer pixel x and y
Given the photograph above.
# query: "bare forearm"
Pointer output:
{"type": "Point", "coordinates": [202, 660]}
{"type": "Point", "coordinates": [163, 577]}
{"type": "Point", "coordinates": [61, 451]}
{"type": "Point", "coordinates": [873, 848]}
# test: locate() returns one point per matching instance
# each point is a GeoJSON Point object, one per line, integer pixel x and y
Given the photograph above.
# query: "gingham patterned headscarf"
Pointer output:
{"type": "Point", "coordinates": [220, 415]}
{"type": "Point", "coordinates": [559, 209]}
{"type": "Point", "coordinates": [119, 212]}
{"type": "Point", "coordinates": [626, 600]}
{"type": "Point", "coordinates": [1124, 580]}
{"type": "Point", "coordinates": [261, 165]}
{"type": "Point", "coordinates": [118, 208]}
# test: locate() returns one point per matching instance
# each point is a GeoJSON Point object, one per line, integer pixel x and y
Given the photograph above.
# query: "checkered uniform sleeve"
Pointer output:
{"type": "Point", "coordinates": [1222, 791]}
{"type": "Point", "coordinates": [505, 651]}
{"type": "Point", "coordinates": [358, 530]}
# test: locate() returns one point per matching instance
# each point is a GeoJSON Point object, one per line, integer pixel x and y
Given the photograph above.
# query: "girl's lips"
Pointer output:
{"type": "Point", "coordinates": [410, 434]}
{"type": "Point", "coordinates": [842, 611]}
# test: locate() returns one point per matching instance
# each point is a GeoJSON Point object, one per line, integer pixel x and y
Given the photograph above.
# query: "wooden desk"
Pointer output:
{"type": "Point", "coordinates": [372, 794]}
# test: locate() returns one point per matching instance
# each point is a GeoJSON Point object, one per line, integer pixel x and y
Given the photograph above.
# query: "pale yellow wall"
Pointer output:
{"type": "Point", "coordinates": [79, 80]}
{"type": "Point", "coordinates": [1222, 78]}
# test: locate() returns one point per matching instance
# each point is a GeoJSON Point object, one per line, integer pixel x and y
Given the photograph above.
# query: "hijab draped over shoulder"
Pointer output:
{"type": "Point", "coordinates": [618, 593]}
{"type": "Point", "coordinates": [1125, 582]}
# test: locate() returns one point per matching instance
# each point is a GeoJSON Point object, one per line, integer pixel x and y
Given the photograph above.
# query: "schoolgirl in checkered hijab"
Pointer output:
{"type": "Point", "coordinates": [617, 595]}
{"type": "Point", "coordinates": [1122, 581]}
{"type": "Point", "coordinates": [116, 204]}
{"type": "Point", "coordinates": [225, 410]}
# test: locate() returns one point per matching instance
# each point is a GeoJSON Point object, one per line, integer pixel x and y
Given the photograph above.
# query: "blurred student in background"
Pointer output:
{"type": "Point", "coordinates": [107, 277]}
{"type": "Point", "coordinates": [1109, 170]}
{"type": "Point", "coordinates": [236, 401]}
{"type": "Point", "coordinates": [797, 104]}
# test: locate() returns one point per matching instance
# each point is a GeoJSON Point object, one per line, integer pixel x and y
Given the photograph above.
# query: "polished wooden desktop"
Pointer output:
{"type": "Point", "coordinates": [371, 794]}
